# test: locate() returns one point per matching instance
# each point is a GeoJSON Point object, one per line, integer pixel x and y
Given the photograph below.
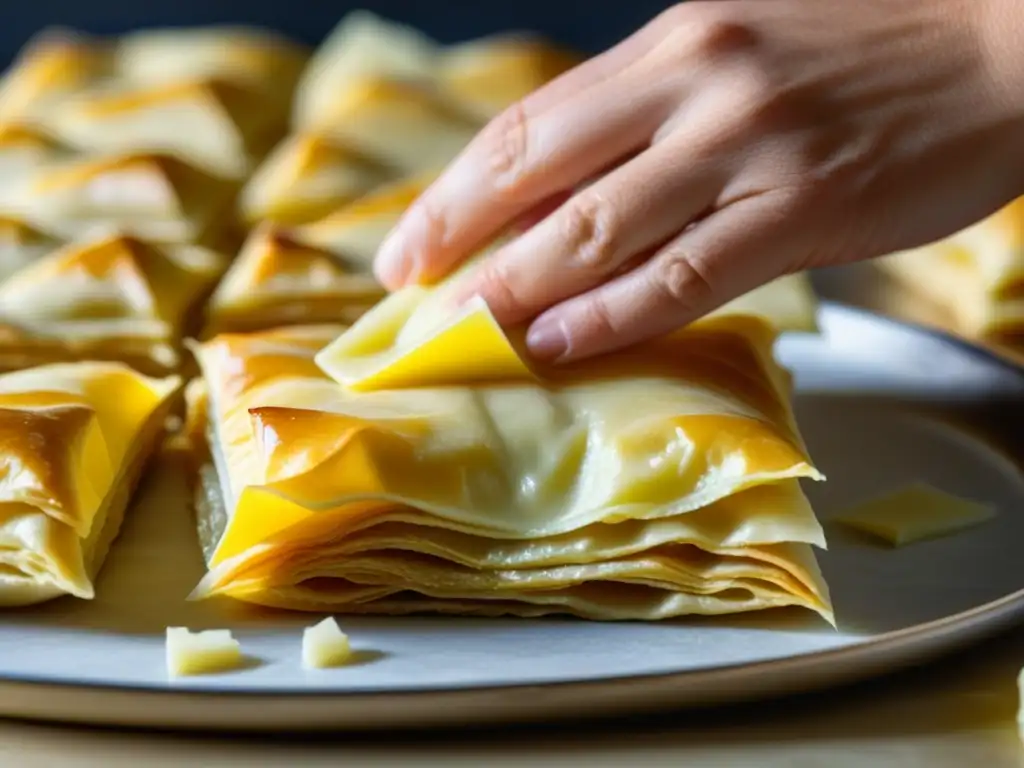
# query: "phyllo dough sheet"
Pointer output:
{"type": "Point", "coordinates": [74, 439]}
{"type": "Point", "coordinates": [977, 273]}
{"type": "Point", "coordinates": [438, 471]}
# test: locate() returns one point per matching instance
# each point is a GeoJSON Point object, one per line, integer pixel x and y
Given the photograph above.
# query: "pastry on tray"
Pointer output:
{"type": "Point", "coordinates": [415, 462]}
{"type": "Point", "coordinates": [977, 274]}
{"type": "Point", "coordinates": [76, 438]}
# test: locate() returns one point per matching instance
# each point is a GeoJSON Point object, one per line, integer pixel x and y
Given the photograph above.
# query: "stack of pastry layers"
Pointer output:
{"type": "Point", "coordinates": [147, 194]}
{"type": "Point", "coordinates": [119, 164]}
{"type": "Point", "coordinates": [418, 462]}
{"type": "Point", "coordinates": [977, 274]}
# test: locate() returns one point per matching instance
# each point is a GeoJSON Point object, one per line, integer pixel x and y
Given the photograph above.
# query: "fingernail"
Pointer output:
{"type": "Point", "coordinates": [547, 338]}
{"type": "Point", "coordinates": [393, 264]}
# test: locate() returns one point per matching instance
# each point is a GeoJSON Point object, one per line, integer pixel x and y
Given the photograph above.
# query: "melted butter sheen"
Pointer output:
{"type": "Point", "coordinates": [417, 459]}
{"type": "Point", "coordinates": [73, 439]}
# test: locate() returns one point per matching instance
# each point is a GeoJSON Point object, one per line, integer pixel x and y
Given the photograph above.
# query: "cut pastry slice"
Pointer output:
{"type": "Point", "coordinates": [361, 45]}
{"type": "Point", "coordinates": [152, 196]}
{"type": "Point", "coordinates": [277, 280]}
{"type": "Point", "coordinates": [321, 272]}
{"type": "Point", "coordinates": [487, 75]}
{"type": "Point", "coordinates": [75, 440]}
{"type": "Point", "coordinates": [788, 301]}
{"type": "Point", "coordinates": [214, 124]}
{"type": "Point", "coordinates": [53, 65]}
{"type": "Point", "coordinates": [447, 475]}
{"type": "Point", "coordinates": [109, 298]}
{"type": "Point", "coordinates": [305, 178]}
{"type": "Point", "coordinates": [978, 273]}
{"type": "Point", "coordinates": [406, 126]}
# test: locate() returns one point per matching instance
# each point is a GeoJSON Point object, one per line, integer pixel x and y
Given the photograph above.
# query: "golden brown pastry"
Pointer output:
{"type": "Point", "coordinates": [485, 76]}
{"type": "Point", "coordinates": [51, 66]}
{"type": "Point", "coordinates": [74, 440]}
{"type": "Point", "coordinates": [152, 196]}
{"type": "Point", "coordinates": [217, 125]}
{"type": "Point", "coordinates": [440, 472]}
{"type": "Point", "coordinates": [110, 298]}
{"type": "Point", "coordinates": [403, 125]}
{"type": "Point", "coordinates": [320, 272]}
{"type": "Point", "coordinates": [263, 62]}
{"type": "Point", "coordinates": [361, 45]}
{"type": "Point", "coordinates": [789, 302]}
{"type": "Point", "coordinates": [305, 178]}
{"type": "Point", "coordinates": [21, 245]}
{"type": "Point", "coordinates": [481, 77]}
{"type": "Point", "coordinates": [978, 273]}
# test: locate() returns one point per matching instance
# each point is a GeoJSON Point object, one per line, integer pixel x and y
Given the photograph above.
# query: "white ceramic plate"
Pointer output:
{"type": "Point", "coordinates": [881, 404]}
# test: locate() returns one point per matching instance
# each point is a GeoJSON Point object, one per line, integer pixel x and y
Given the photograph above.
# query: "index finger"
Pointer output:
{"type": "Point", "coordinates": [545, 144]}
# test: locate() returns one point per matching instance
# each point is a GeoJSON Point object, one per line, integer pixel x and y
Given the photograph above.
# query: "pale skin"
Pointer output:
{"type": "Point", "coordinates": [726, 143]}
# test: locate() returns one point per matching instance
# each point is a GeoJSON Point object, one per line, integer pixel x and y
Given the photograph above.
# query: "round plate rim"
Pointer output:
{"type": "Point", "coordinates": [361, 708]}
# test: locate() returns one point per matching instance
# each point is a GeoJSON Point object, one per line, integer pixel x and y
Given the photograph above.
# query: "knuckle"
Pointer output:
{"type": "Point", "coordinates": [706, 31]}
{"type": "Point", "coordinates": [680, 277]}
{"type": "Point", "coordinates": [498, 288]}
{"type": "Point", "coordinates": [597, 319]}
{"type": "Point", "coordinates": [507, 148]}
{"type": "Point", "coordinates": [590, 233]}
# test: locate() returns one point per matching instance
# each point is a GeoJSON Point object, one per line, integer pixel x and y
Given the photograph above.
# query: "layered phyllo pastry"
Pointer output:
{"type": "Point", "coordinates": [21, 245]}
{"type": "Point", "coordinates": [306, 177]}
{"type": "Point", "coordinates": [417, 461]}
{"type": "Point", "coordinates": [216, 97]}
{"type": "Point", "coordinates": [75, 440]}
{"type": "Point", "coordinates": [220, 126]}
{"type": "Point", "coordinates": [480, 77]}
{"type": "Point", "coordinates": [789, 302]}
{"type": "Point", "coordinates": [319, 272]}
{"type": "Point", "coordinates": [112, 297]}
{"type": "Point", "coordinates": [153, 196]}
{"type": "Point", "coordinates": [976, 274]}
{"type": "Point", "coordinates": [52, 66]}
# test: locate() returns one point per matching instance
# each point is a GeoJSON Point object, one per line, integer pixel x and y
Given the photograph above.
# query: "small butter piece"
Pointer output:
{"type": "Point", "coordinates": [915, 513]}
{"type": "Point", "coordinates": [325, 645]}
{"type": "Point", "coordinates": [198, 653]}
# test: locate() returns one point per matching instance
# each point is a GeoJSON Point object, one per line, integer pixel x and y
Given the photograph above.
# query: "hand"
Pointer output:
{"type": "Point", "coordinates": [746, 139]}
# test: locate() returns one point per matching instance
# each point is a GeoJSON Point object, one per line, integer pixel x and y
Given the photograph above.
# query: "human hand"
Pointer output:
{"type": "Point", "coordinates": [746, 139]}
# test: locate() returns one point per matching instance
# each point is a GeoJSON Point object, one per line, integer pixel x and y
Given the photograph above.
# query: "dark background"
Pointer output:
{"type": "Point", "coordinates": [590, 26]}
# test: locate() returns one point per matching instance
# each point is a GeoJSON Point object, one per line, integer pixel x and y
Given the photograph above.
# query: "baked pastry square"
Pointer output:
{"type": "Point", "coordinates": [113, 297]}
{"type": "Point", "coordinates": [977, 274]}
{"type": "Point", "coordinates": [437, 471]}
{"type": "Point", "coordinates": [75, 439]}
